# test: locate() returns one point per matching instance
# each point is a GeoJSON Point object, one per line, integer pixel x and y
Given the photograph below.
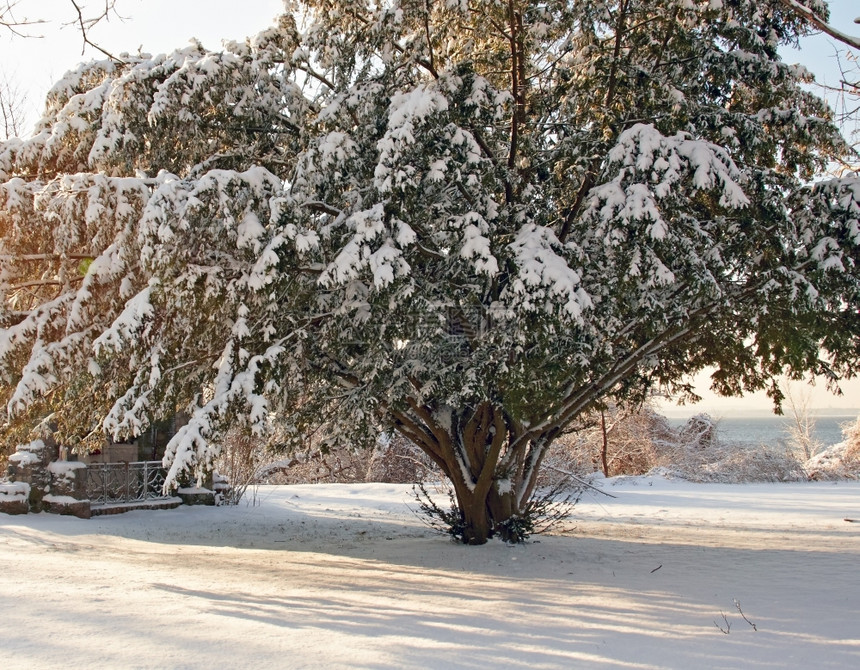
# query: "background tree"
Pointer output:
{"type": "Point", "coordinates": [469, 223]}
{"type": "Point", "coordinates": [12, 103]}
{"type": "Point", "coordinates": [81, 15]}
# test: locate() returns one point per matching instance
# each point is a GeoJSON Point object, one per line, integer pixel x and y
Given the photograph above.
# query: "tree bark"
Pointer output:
{"type": "Point", "coordinates": [482, 458]}
{"type": "Point", "coordinates": [486, 516]}
{"type": "Point", "coordinates": [604, 461]}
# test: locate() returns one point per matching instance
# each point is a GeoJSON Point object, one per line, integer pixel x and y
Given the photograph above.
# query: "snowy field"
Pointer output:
{"type": "Point", "coordinates": [347, 577]}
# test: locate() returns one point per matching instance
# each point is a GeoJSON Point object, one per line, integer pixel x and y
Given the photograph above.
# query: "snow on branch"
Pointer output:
{"type": "Point", "coordinates": [649, 171]}
{"type": "Point", "coordinates": [544, 276]}
{"type": "Point", "coordinates": [384, 262]}
{"type": "Point", "coordinates": [830, 215]}
{"type": "Point", "coordinates": [127, 327]}
{"type": "Point", "coordinates": [814, 17]}
{"type": "Point", "coordinates": [191, 452]}
{"type": "Point", "coordinates": [405, 115]}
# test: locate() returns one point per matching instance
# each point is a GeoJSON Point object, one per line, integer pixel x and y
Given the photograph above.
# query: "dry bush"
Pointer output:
{"type": "Point", "coordinates": [246, 461]}
{"type": "Point", "coordinates": [841, 461]}
{"type": "Point", "coordinates": [616, 441]}
{"type": "Point", "coordinates": [698, 455]}
{"type": "Point", "coordinates": [394, 460]}
{"type": "Point", "coordinates": [238, 466]}
{"type": "Point", "coordinates": [641, 441]}
{"type": "Point", "coordinates": [397, 461]}
{"type": "Point", "coordinates": [335, 466]}
{"type": "Point", "coordinates": [733, 464]}
{"type": "Point", "coordinates": [851, 433]}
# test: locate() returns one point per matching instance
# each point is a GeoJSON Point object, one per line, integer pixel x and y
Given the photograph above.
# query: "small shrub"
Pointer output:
{"type": "Point", "coordinates": [545, 511]}
{"type": "Point", "coordinates": [446, 521]}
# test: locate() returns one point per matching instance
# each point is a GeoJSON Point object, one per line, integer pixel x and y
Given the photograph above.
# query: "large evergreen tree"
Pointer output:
{"type": "Point", "coordinates": [469, 221]}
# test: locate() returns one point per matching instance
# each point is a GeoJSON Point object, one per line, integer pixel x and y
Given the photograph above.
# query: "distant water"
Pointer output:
{"type": "Point", "coordinates": [773, 430]}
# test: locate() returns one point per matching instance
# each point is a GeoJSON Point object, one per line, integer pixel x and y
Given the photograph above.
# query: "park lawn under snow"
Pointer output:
{"type": "Point", "coordinates": [347, 576]}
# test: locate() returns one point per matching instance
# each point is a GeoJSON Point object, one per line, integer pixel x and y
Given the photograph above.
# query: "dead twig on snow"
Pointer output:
{"type": "Point", "coordinates": [744, 616]}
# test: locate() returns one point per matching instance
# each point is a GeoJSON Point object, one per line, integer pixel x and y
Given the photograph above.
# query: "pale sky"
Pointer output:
{"type": "Point", "coordinates": [156, 26]}
{"type": "Point", "coordinates": [153, 26]}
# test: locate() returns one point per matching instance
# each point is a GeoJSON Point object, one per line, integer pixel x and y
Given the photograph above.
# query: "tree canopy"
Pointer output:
{"type": "Point", "coordinates": [468, 222]}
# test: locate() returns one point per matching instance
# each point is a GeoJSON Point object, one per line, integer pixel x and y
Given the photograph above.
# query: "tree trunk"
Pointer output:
{"type": "Point", "coordinates": [492, 467]}
{"type": "Point", "coordinates": [604, 461]}
{"type": "Point", "coordinates": [486, 516]}
{"type": "Point", "coordinates": [478, 526]}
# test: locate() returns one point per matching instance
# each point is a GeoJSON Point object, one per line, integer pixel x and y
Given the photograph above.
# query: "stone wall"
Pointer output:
{"type": "Point", "coordinates": [29, 464]}
{"type": "Point", "coordinates": [14, 497]}
{"type": "Point", "coordinates": [68, 494]}
{"type": "Point", "coordinates": [38, 480]}
{"type": "Point", "coordinates": [51, 485]}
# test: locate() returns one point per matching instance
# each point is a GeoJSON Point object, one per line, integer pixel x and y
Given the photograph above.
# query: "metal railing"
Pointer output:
{"type": "Point", "coordinates": [125, 482]}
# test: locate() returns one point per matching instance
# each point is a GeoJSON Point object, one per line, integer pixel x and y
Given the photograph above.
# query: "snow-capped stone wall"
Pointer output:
{"type": "Point", "coordinates": [14, 497]}
{"type": "Point", "coordinates": [68, 493]}
{"type": "Point", "coordinates": [40, 482]}
{"type": "Point", "coordinates": [29, 464]}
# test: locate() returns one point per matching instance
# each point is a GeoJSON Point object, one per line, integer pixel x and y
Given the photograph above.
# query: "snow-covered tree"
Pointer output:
{"type": "Point", "coordinates": [465, 221]}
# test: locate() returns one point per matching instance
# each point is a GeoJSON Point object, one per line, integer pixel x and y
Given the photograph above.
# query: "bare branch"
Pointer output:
{"type": "Point", "coordinates": [9, 21]}
{"type": "Point", "coordinates": [12, 105]}
{"type": "Point", "coordinates": [40, 282]}
{"type": "Point", "coordinates": [85, 24]}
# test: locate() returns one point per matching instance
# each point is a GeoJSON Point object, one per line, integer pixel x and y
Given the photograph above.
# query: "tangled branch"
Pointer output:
{"type": "Point", "coordinates": [9, 20]}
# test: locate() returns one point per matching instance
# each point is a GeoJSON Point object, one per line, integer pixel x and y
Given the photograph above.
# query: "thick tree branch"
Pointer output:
{"type": "Point", "coordinates": [46, 257]}
{"type": "Point", "coordinates": [40, 282]}
{"type": "Point", "coordinates": [821, 24]}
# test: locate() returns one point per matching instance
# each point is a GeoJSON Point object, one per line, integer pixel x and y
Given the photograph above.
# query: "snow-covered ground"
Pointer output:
{"type": "Point", "coordinates": [346, 576]}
